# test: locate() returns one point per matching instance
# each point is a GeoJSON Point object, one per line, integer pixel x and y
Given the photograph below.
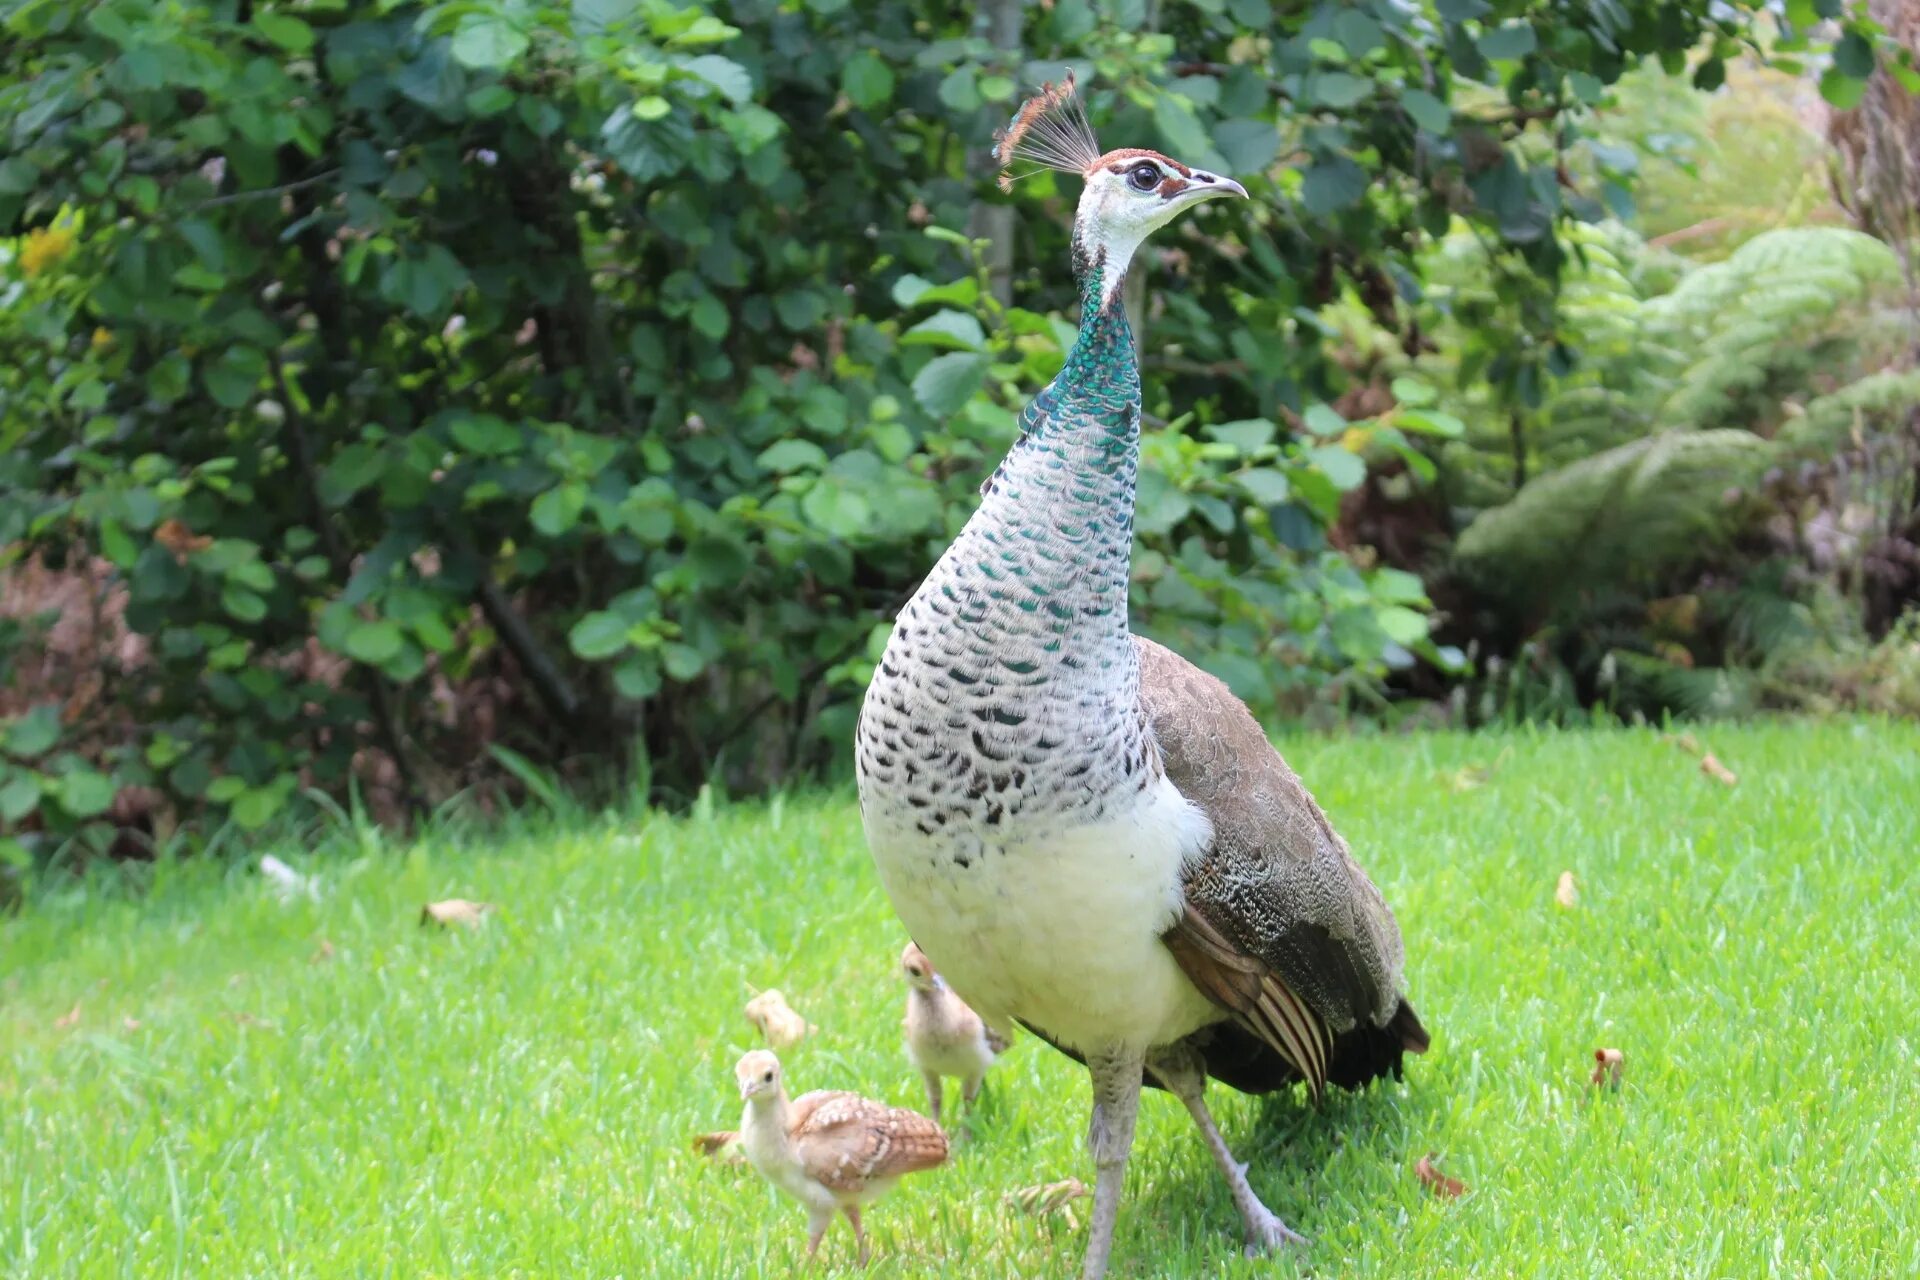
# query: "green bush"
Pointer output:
{"type": "Point", "coordinates": [581, 376]}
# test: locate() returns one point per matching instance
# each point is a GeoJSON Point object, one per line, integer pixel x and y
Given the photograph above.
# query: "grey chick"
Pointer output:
{"type": "Point", "coordinates": [944, 1037]}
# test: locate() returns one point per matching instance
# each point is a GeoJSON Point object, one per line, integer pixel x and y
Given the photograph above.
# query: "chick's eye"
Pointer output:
{"type": "Point", "coordinates": [767, 1078]}
{"type": "Point", "coordinates": [1143, 176]}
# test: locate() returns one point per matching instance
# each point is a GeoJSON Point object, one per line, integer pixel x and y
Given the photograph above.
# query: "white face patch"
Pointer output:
{"type": "Point", "coordinates": [1118, 211]}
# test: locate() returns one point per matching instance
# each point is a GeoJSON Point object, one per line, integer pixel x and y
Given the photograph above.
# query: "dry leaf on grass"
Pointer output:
{"type": "Point", "coordinates": [1607, 1066]}
{"type": "Point", "coordinates": [129, 1024]}
{"type": "Point", "coordinates": [779, 1025]}
{"type": "Point", "coordinates": [70, 1018]}
{"type": "Point", "coordinates": [1685, 741]}
{"type": "Point", "coordinates": [1567, 893]}
{"type": "Point", "coordinates": [455, 911]}
{"type": "Point", "coordinates": [1437, 1182]}
{"type": "Point", "coordinates": [322, 953]}
{"type": "Point", "coordinates": [1711, 766]}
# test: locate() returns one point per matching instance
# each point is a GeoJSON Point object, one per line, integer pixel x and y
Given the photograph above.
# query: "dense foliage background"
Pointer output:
{"type": "Point", "coordinates": [395, 392]}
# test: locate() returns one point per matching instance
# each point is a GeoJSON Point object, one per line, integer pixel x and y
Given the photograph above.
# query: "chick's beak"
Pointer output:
{"type": "Point", "coordinates": [746, 1089]}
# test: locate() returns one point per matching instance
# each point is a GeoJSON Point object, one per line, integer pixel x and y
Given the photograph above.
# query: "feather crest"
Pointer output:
{"type": "Point", "coordinates": [1051, 130]}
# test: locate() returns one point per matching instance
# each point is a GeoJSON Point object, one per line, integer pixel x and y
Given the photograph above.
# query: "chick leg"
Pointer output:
{"type": "Point", "coordinates": [934, 1093]}
{"type": "Point", "coordinates": [1179, 1068]}
{"type": "Point", "coordinates": [972, 1089]}
{"type": "Point", "coordinates": [859, 1233]}
{"type": "Point", "coordinates": [817, 1223]}
{"type": "Point", "coordinates": [1116, 1103]}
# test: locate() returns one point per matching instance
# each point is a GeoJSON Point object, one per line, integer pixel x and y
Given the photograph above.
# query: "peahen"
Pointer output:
{"type": "Point", "coordinates": [1086, 833]}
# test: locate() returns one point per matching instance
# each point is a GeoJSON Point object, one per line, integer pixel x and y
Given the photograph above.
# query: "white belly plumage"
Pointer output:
{"type": "Point", "coordinates": [1062, 931]}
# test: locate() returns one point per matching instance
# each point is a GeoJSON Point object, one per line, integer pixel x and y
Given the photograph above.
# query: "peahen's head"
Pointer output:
{"type": "Point", "coordinates": [1130, 193]}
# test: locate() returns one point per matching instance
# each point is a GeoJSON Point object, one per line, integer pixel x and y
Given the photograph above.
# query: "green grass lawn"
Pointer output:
{"type": "Point", "coordinates": [328, 1089]}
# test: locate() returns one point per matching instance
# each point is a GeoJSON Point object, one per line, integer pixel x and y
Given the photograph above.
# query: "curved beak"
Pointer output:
{"type": "Point", "coordinates": [1208, 186]}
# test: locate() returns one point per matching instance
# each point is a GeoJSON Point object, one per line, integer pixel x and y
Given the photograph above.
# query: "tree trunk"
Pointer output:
{"type": "Point", "coordinates": [999, 21]}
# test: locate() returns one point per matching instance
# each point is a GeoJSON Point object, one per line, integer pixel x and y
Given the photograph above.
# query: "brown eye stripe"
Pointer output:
{"type": "Point", "coordinates": [1172, 186]}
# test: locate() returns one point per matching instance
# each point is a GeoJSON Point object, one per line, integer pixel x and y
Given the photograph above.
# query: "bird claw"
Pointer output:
{"type": "Point", "coordinates": [1266, 1234]}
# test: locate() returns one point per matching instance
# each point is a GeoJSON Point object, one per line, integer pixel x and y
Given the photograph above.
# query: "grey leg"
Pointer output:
{"type": "Point", "coordinates": [1180, 1069]}
{"type": "Point", "coordinates": [1116, 1102]}
{"type": "Point", "coordinates": [934, 1093]}
{"type": "Point", "coordinates": [972, 1089]}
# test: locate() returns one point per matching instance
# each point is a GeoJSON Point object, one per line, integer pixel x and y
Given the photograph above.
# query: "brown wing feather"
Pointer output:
{"type": "Point", "coordinates": [847, 1142]}
{"type": "Point", "coordinates": [1282, 927]}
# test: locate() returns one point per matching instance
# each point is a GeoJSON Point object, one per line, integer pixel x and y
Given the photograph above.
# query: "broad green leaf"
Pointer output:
{"type": "Point", "coordinates": [598, 636]}
{"type": "Point", "coordinates": [1246, 435]}
{"type": "Point", "coordinates": [375, 643]}
{"type": "Point", "coordinates": [558, 509]}
{"type": "Point", "coordinates": [948, 381]}
{"type": "Point", "coordinates": [86, 793]}
{"type": "Point", "coordinates": [637, 676]}
{"type": "Point", "coordinates": [682, 661]}
{"type": "Point", "coordinates": [1514, 40]}
{"type": "Point", "coordinates": [487, 41]}
{"type": "Point", "coordinates": [483, 433]}
{"type": "Point", "coordinates": [1264, 485]}
{"type": "Point", "coordinates": [724, 74]}
{"type": "Point", "coordinates": [285, 30]}
{"type": "Point", "coordinates": [235, 375]}
{"type": "Point", "coordinates": [1842, 90]}
{"type": "Point", "coordinates": [951, 329]}
{"type": "Point", "coordinates": [19, 797]}
{"type": "Point", "coordinates": [1332, 183]}
{"type": "Point", "coordinates": [1427, 111]}
{"type": "Point", "coordinates": [1853, 55]}
{"type": "Point", "coordinates": [1412, 391]}
{"type": "Point", "coordinates": [1397, 586]}
{"type": "Point", "coordinates": [866, 80]}
{"type": "Point", "coordinates": [1339, 90]}
{"type": "Point", "coordinates": [1358, 33]}
{"type": "Point", "coordinates": [1248, 146]}
{"type": "Point", "coordinates": [1342, 469]}
{"type": "Point", "coordinates": [255, 807]}
{"type": "Point", "coordinates": [1323, 419]}
{"type": "Point", "coordinates": [1402, 625]}
{"type": "Point", "coordinates": [1429, 422]}
{"type": "Point", "coordinates": [792, 455]}
{"type": "Point", "coordinates": [33, 732]}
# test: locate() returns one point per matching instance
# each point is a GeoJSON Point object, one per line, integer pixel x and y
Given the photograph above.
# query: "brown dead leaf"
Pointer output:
{"type": "Point", "coordinates": [322, 953]}
{"type": "Point", "coordinates": [1567, 893]}
{"type": "Point", "coordinates": [1437, 1182]}
{"type": "Point", "coordinates": [182, 541]}
{"type": "Point", "coordinates": [69, 1019]}
{"type": "Point", "coordinates": [1607, 1067]}
{"type": "Point", "coordinates": [1711, 766]}
{"type": "Point", "coordinates": [1685, 741]}
{"type": "Point", "coordinates": [779, 1025]}
{"type": "Point", "coordinates": [456, 911]}
{"type": "Point", "coordinates": [129, 1024]}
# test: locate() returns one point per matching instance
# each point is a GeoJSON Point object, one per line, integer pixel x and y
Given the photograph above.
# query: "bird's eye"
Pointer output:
{"type": "Point", "coordinates": [767, 1078]}
{"type": "Point", "coordinates": [1144, 176]}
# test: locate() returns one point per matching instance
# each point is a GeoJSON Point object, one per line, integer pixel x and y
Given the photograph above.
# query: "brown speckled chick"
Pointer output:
{"type": "Point", "coordinates": [831, 1151]}
{"type": "Point", "coordinates": [944, 1036]}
